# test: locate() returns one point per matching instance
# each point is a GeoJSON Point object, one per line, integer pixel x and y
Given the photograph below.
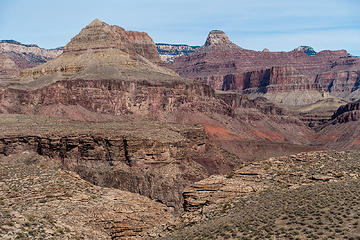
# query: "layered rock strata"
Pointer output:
{"type": "Point", "coordinates": [223, 65]}
{"type": "Point", "coordinates": [39, 199]}
{"type": "Point", "coordinates": [99, 35]}
{"type": "Point", "coordinates": [289, 172]}
{"type": "Point", "coordinates": [151, 159]}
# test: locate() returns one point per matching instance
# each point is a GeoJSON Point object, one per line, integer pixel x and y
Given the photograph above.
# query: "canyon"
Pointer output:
{"type": "Point", "coordinates": [151, 147]}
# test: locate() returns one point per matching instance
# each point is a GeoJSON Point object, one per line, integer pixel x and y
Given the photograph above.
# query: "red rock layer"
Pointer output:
{"type": "Point", "coordinates": [218, 62]}
{"type": "Point", "coordinates": [275, 79]}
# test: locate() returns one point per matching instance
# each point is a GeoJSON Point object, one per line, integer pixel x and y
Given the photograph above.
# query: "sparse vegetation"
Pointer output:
{"type": "Point", "coordinates": [325, 203]}
{"type": "Point", "coordinates": [69, 211]}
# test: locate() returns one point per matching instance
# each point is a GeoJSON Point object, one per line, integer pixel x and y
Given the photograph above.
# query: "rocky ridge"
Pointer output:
{"type": "Point", "coordinates": [331, 71]}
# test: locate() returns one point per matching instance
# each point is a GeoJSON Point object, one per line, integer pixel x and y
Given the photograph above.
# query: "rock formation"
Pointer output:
{"type": "Point", "coordinates": [221, 63]}
{"type": "Point", "coordinates": [148, 158]}
{"type": "Point", "coordinates": [107, 73]}
{"type": "Point", "coordinates": [99, 35]}
{"type": "Point", "coordinates": [313, 166]}
{"type": "Point", "coordinates": [39, 200]}
{"type": "Point", "coordinates": [218, 39]}
{"type": "Point", "coordinates": [343, 78]}
{"type": "Point", "coordinates": [237, 205]}
{"type": "Point", "coordinates": [102, 70]}
{"type": "Point", "coordinates": [347, 113]}
{"type": "Point", "coordinates": [343, 130]}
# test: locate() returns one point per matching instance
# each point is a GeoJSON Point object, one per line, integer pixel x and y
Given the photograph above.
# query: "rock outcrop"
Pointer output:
{"type": "Point", "coordinates": [101, 73]}
{"type": "Point", "coordinates": [290, 172]}
{"type": "Point", "coordinates": [341, 83]}
{"type": "Point", "coordinates": [278, 84]}
{"type": "Point", "coordinates": [107, 73]}
{"type": "Point", "coordinates": [342, 130]}
{"type": "Point", "coordinates": [101, 51]}
{"type": "Point", "coordinates": [276, 198]}
{"type": "Point", "coordinates": [39, 199]}
{"type": "Point", "coordinates": [319, 113]}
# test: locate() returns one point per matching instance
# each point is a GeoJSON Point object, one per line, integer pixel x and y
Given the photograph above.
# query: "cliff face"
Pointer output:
{"type": "Point", "coordinates": [347, 113]}
{"type": "Point", "coordinates": [15, 56]}
{"type": "Point", "coordinates": [223, 65]}
{"type": "Point", "coordinates": [148, 158]}
{"type": "Point", "coordinates": [274, 79]}
{"type": "Point", "coordinates": [340, 83]}
{"type": "Point", "coordinates": [342, 130]}
{"type": "Point", "coordinates": [115, 97]}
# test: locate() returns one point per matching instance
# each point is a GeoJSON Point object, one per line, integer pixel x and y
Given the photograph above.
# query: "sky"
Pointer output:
{"type": "Point", "coordinates": [279, 25]}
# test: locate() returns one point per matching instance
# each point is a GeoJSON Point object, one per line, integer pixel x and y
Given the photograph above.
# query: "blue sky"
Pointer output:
{"type": "Point", "coordinates": [280, 25]}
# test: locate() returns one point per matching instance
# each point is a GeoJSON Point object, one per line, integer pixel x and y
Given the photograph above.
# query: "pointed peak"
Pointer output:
{"type": "Point", "coordinates": [219, 40]}
{"type": "Point", "coordinates": [96, 22]}
{"type": "Point", "coordinates": [217, 37]}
